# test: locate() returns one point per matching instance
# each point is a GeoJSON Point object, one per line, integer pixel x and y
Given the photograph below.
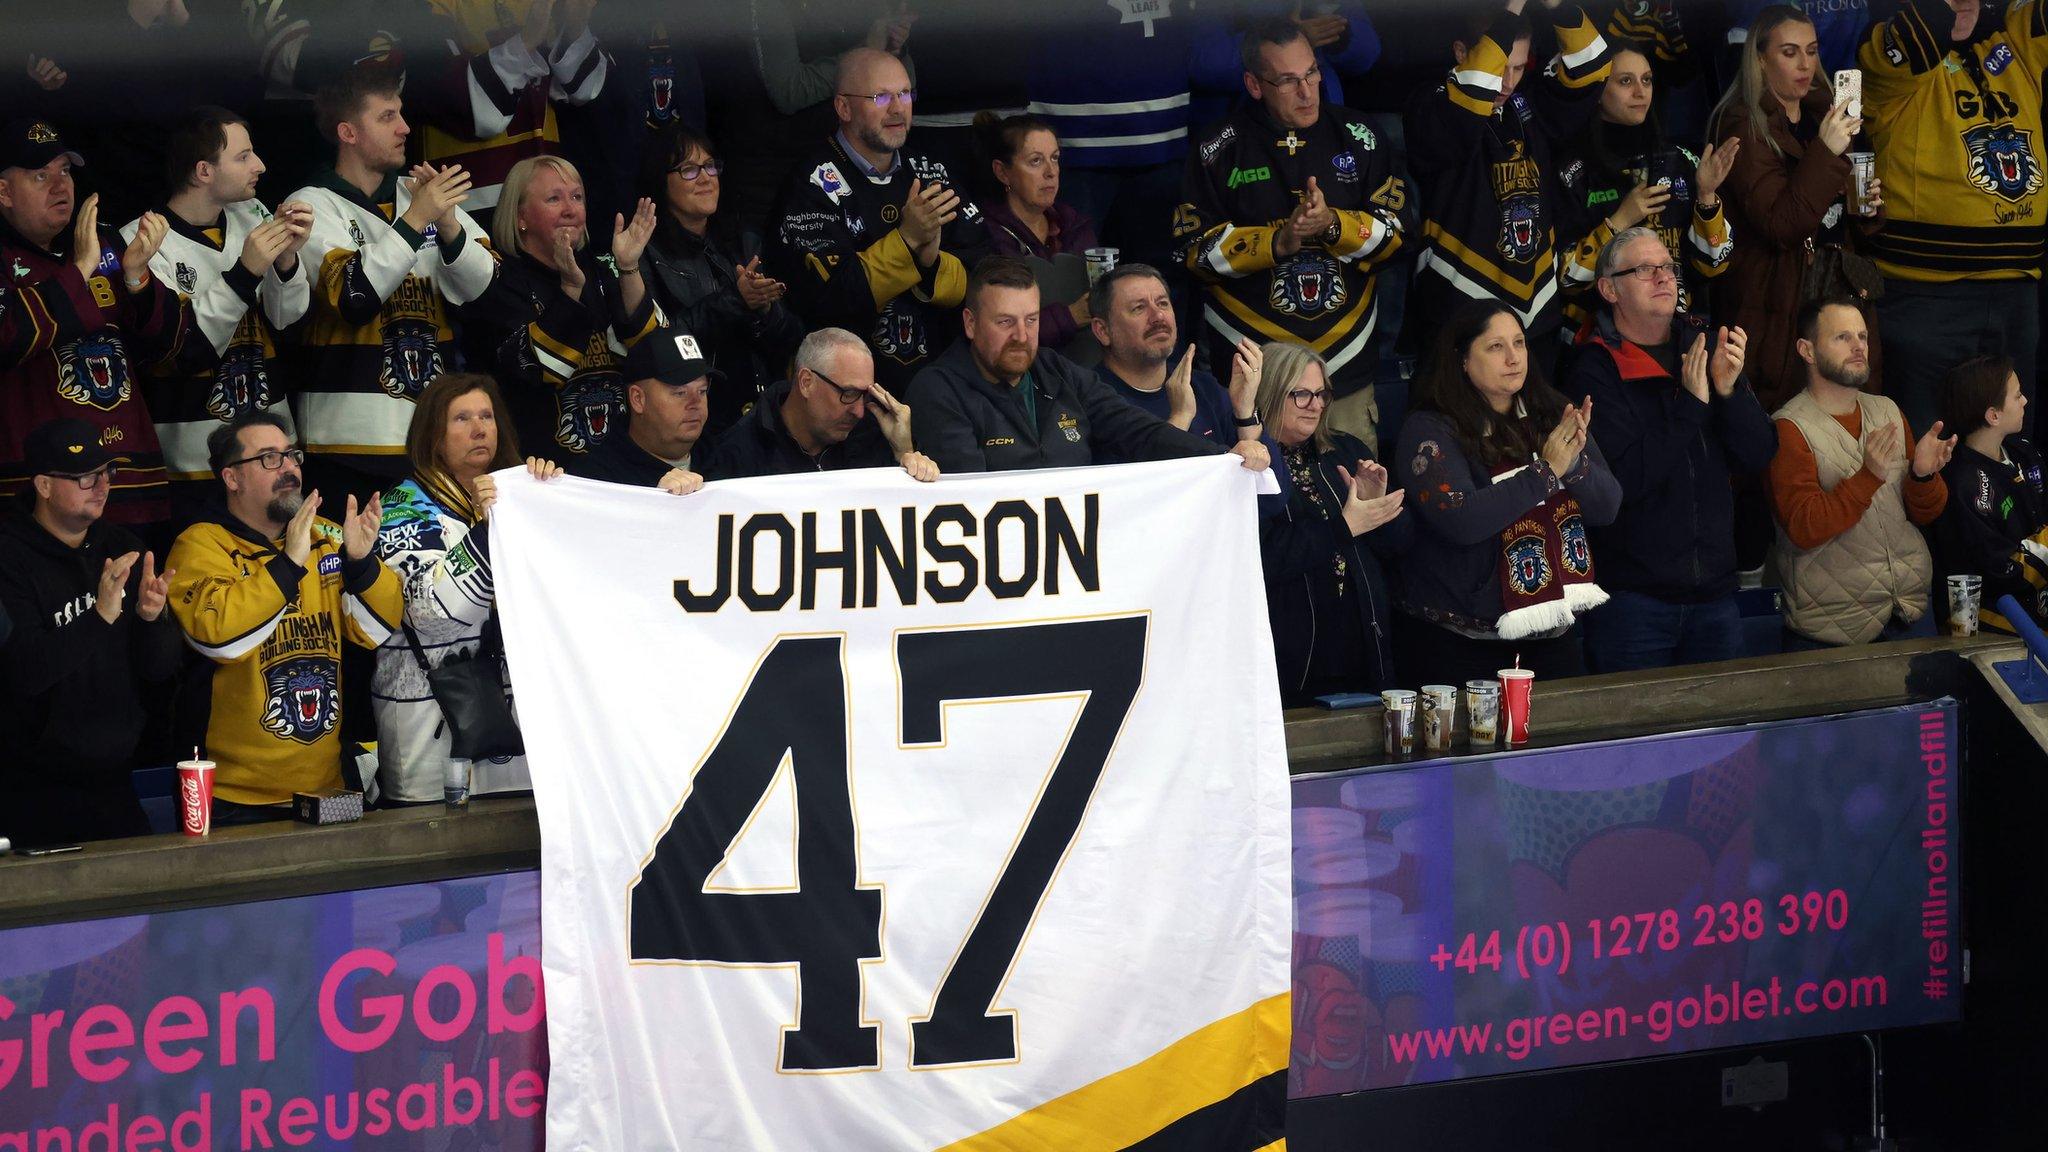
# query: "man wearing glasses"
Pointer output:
{"type": "Point", "coordinates": [834, 414]}
{"type": "Point", "coordinates": [1678, 422]}
{"type": "Point", "coordinates": [1291, 208]}
{"type": "Point", "coordinates": [269, 592]}
{"type": "Point", "coordinates": [872, 236]}
{"type": "Point", "coordinates": [91, 640]}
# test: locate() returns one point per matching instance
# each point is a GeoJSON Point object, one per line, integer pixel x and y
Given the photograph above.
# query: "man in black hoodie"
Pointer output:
{"type": "Point", "coordinates": [996, 401]}
{"type": "Point", "coordinates": [1677, 420]}
{"type": "Point", "coordinates": [90, 633]}
{"type": "Point", "coordinates": [832, 414]}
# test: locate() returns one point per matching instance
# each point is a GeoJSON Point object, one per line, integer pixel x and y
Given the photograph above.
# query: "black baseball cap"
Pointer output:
{"type": "Point", "coordinates": [670, 357]}
{"type": "Point", "coordinates": [66, 447]}
{"type": "Point", "coordinates": [29, 142]}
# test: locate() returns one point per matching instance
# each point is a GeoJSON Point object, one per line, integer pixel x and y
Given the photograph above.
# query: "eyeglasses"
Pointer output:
{"type": "Point", "coordinates": [884, 99]}
{"type": "Point", "coordinates": [272, 459]}
{"type": "Point", "coordinates": [692, 171]}
{"type": "Point", "coordinates": [847, 396]}
{"type": "Point", "coordinates": [1306, 398]}
{"type": "Point", "coordinates": [1290, 82]}
{"type": "Point", "coordinates": [91, 480]}
{"type": "Point", "coordinates": [1647, 272]}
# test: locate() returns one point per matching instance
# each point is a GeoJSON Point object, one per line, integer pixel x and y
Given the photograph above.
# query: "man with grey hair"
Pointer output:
{"type": "Point", "coordinates": [1678, 422]}
{"type": "Point", "coordinates": [831, 415]}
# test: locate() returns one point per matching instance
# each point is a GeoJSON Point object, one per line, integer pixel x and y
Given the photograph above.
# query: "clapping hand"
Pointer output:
{"type": "Point", "coordinates": [1180, 391]}
{"type": "Point", "coordinates": [1367, 503]}
{"type": "Point", "coordinates": [149, 236]}
{"type": "Point", "coordinates": [359, 528]}
{"type": "Point", "coordinates": [1730, 345]}
{"type": "Point", "coordinates": [1692, 370]}
{"type": "Point", "coordinates": [113, 586]}
{"type": "Point", "coordinates": [562, 254]}
{"type": "Point", "coordinates": [45, 73]}
{"type": "Point", "coordinates": [629, 238]}
{"type": "Point", "coordinates": [1881, 450]}
{"type": "Point", "coordinates": [154, 591]}
{"type": "Point", "coordinates": [1308, 222]}
{"type": "Point", "coordinates": [759, 291]}
{"type": "Point", "coordinates": [1932, 453]}
{"type": "Point", "coordinates": [1321, 31]}
{"type": "Point", "coordinates": [1245, 368]}
{"type": "Point", "coordinates": [1715, 165]}
{"type": "Point", "coordinates": [926, 213]}
{"type": "Point", "coordinates": [1562, 447]}
{"type": "Point", "coordinates": [437, 198]}
{"type": "Point", "coordinates": [298, 531]}
{"type": "Point", "coordinates": [85, 237]}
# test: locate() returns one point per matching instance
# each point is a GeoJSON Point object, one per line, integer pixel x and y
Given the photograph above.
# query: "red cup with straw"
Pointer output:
{"type": "Point", "coordinates": [1515, 686]}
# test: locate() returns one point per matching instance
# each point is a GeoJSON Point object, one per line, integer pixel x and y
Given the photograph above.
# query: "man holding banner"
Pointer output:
{"type": "Point", "coordinates": [972, 832]}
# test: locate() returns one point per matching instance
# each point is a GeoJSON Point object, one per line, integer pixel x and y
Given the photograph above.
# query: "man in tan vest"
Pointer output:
{"type": "Point", "coordinates": [1854, 565]}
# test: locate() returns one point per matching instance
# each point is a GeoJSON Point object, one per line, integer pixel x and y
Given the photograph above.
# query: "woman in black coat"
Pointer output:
{"type": "Point", "coordinates": [708, 280]}
{"type": "Point", "coordinates": [1323, 537]}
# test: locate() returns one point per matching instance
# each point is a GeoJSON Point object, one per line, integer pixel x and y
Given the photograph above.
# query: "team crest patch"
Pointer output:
{"type": "Point", "coordinates": [412, 357]}
{"type": "Point", "coordinates": [1347, 167]}
{"type": "Point", "coordinates": [93, 371]}
{"type": "Point", "coordinates": [661, 91]}
{"type": "Point", "coordinates": [1308, 286]}
{"type": "Point", "coordinates": [2002, 161]}
{"type": "Point", "coordinates": [1575, 552]}
{"type": "Point", "coordinates": [588, 408]}
{"type": "Point", "coordinates": [828, 180]}
{"type": "Point", "coordinates": [241, 384]}
{"type": "Point", "coordinates": [1070, 427]}
{"type": "Point", "coordinates": [355, 234]}
{"type": "Point", "coordinates": [187, 277]}
{"type": "Point", "coordinates": [899, 335]}
{"type": "Point", "coordinates": [304, 701]}
{"type": "Point", "coordinates": [1427, 454]}
{"type": "Point", "coordinates": [1519, 231]}
{"type": "Point", "coordinates": [1363, 135]}
{"type": "Point", "coordinates": [1528, 568]}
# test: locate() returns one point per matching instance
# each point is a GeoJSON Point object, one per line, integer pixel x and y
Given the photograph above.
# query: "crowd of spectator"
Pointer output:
{"type": "Point", "coordinates": [1554, 343]}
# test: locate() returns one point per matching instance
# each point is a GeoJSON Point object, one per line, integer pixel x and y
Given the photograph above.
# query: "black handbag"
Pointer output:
{"type": "Point", "coordinates": [1834, 270]}
{"type": "Point", "coordinates": [471, 692]}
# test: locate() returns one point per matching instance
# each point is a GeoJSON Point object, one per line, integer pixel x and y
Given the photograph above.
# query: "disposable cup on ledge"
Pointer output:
{"type": "Point", "coordinates": [195, 797]}
{"type": "Point", "coordinates": [1482, 706]}
{"type": "Point", "coordinates": [1100, 260]}
{"type": "Point", "coordinates": [1515, 686]}
{"type": "Point", "coordinates": [1439, 716]}
{"type": "Point", "coordinates": [1965, 601]}
{"type": "Point", "coordinates": [1397, 705]}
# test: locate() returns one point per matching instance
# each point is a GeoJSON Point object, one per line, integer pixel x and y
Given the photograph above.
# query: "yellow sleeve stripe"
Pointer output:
{"type": "Point", "coordinates": [891, 269]}
{"type": "Point", "coordinates": [1229, 250]}
{"type": "Point", "coordinates": [1362, 234]}
{"type": "Point", "coordinates": [949, 285]}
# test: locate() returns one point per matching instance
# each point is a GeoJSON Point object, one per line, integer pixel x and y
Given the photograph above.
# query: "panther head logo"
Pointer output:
{"type": "Point", "coordinates": [898, 335]}
{"type": "Point", "coordinates": [2002, 161]}
{"type": "Point", "coordinates": [241, 384]}
{"type": "Point", "coordinates": [412, 358]}
{"type": "Point", "coordinates": [1519, 230]}
{"type": "Point", "coordinates": [305, 700]}
{"type": "Point", "coordinates": [1308, 285]}
{"type": "Point", "coordinates": [94, 371]}
{"type": "Point", "coordinates": [588, 408]}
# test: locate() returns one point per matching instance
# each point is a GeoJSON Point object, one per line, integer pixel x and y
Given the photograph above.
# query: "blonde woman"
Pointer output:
{"type": "Point", "coordinates": [1323, 538]}
{"type": "Point", "coordinates": [556, 324]}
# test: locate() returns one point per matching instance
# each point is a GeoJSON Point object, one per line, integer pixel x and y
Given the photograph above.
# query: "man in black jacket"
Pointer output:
{"type": "Point", "coordinates": [90, 631]}
{"type": "Point", "coordinates": [668, 396]}
{"type": "Point", "coordinates": [833, 414]}
{"type": "Point", "coordinates": [997, 401]}
{"type": "Point", "coordinates": [1677, 421]}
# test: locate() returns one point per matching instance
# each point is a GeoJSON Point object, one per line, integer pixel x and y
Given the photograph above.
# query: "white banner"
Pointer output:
{"type": "Point", "coordinates": [885, 815]}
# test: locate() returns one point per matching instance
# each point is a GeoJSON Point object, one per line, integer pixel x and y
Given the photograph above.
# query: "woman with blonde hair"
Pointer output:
{"type": "Point", "coordinates": [556, 324]}
{"type": "Point", "coordinates": [1786, 197]}
{"type": "Point", "coordinates": [435, 538]}
{"type": "Point", "coordinates": [1322, 539]}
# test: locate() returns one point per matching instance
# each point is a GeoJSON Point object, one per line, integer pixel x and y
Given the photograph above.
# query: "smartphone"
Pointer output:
{"type": "Point", "coordinates": [1849, 90]}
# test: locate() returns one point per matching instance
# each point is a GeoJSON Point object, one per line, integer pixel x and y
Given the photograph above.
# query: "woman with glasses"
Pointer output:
{"type": "Point", "coordinates": [555, 324]}
{"type": "Point", "coordinates": [1505, 479]}
{"type": "Point", "coordinates": [435, 538]}
{"type": "Point", "coordinates": [1323, 538]}
{"type": "Point", "coordinates": [1027, 217]}
{"type": "Point", "coordinates": [708, 279]}
{"type": "Point", "coordinates": [1620, 173]}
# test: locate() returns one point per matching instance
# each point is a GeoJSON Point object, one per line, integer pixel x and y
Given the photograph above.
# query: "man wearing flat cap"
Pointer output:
{"type": "Point", "coordinates": [80, 313]}
{"type": "Point", "coordinates": [91, 638]}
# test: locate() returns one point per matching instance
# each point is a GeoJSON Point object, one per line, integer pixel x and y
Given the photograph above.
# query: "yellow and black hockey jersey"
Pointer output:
{"type": "Point", "coordinates": [274, 631]}
{"type": "Point", "coordinates": [1486, 174]}
{"type": "Point", "coordinates": [378, 329]}
{"type": "Point", "coordinates": [1956, 128]}
{"type": "Point", "coordinates": [1244, 177]}
{"type": "Point", "coordinates": [839, 247]}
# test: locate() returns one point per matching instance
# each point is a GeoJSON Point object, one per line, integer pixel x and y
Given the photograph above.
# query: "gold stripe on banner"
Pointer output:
{"type": "Point", "coordinates": [1129, 1105]}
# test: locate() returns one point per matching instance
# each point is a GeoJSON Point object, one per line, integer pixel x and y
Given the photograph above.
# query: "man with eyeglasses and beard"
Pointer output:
{"type": "Point", "coordinates": [1677, 421]}
{"type": "Point", "coordinates": [833, 414]}
{"type": "Point", "coordinates": [269, 592]}
{"type": "Point", "coordinates": [997, 401]}
{"type": "Point", "coordinates": [91, 639]}
{"type": "Point", "coordinates": [874, 236]}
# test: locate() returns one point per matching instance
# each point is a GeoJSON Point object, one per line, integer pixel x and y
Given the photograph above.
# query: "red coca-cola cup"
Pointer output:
{"type": "Point", "coordinates": [1515, 684]}
{"type": "Point", "coordinates": [195, 796]}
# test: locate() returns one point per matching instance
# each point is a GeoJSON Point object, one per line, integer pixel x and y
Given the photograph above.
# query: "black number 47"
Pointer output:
{"type": "Point", "coordinates": [795, 705]}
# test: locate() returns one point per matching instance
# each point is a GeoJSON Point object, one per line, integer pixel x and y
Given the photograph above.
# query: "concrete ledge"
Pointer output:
{"type": "Point", "coordinates": [409, 845]}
